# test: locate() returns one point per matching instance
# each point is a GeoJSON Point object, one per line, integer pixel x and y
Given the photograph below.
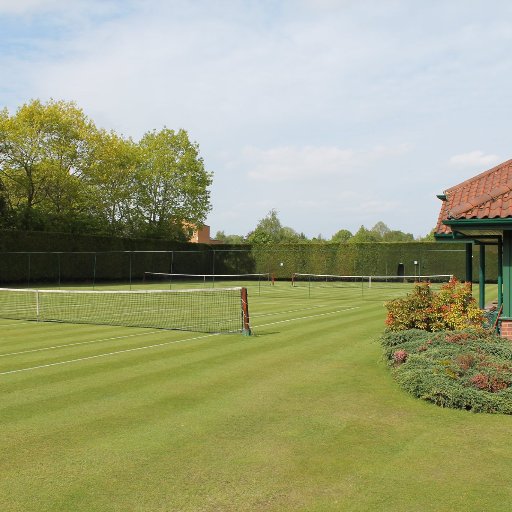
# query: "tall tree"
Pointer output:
{"type": "Point", "coordinates": [171, 185]}
{"type": "Point", "coordinates": [4, 207]}
{"type": "Point", "coordinates": [111, 181]}
{"type": "Point", "coordinates": [42, 153]}
{"type": "Point", "coordinates": [229, 239]}
{"type": "Point", "coordinates": [341, 236]}
{"type": "Point", "coordinates": [270, 230]}
{"type": "Point", "coordinates": [59, 172]}
{"type": "Point", "coordinates": [398, 236]}
{"type": "Point", "coordinates": [380, 229]}
{"type": "Point", "coordinates": [364, 235]}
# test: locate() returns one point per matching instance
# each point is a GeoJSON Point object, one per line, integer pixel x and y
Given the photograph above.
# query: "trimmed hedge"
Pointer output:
{"type": "Point", "coordinates": [34, 257]}
{"type": "Point", "coordinates": [370, 259]}
{"type": "Point", "coordinates": [470, 369]}
{"type": "Point", "coordinates": [320, 258]}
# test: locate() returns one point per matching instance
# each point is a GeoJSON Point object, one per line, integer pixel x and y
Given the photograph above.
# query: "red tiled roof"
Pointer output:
{"type": "Point", "coordinates": [486, 196]}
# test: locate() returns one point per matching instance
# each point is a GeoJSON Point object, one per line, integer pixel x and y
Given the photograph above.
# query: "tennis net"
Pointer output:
{"type": "Point", "coordinates": [212, 310]}
{"type": "Point", "coordinates": [368, 281]}
{"type": "Point", "coordinates": [206, 280]}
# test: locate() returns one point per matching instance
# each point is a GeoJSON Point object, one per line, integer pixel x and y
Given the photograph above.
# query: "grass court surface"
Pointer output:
{"type": "Point", "coordinates": [303, 416]}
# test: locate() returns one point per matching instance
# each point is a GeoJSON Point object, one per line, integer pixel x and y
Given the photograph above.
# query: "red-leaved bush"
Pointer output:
{"type": "Point", "coordinates": [488, 382]}
{"type": "Point", "coordinates": [400, 356]}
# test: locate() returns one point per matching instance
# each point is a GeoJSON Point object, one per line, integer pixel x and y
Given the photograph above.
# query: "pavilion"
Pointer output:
{"type": "Point", "coordinates": [478, 212]}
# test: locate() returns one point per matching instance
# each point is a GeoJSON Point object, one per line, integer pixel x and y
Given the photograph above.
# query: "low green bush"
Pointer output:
{"type": "Point", "coordinates": [467, 369]}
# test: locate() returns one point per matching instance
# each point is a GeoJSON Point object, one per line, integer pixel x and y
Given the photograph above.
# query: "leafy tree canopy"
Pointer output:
{"type": "Point", "coordinates": [380, 229]}
{"type": "Point", "coordinates": [270, 230]}
{"type": "Point", "coordinates": [341, 236]}
{"type": "Point", "coordinates": [59, 172]}
{"type": "Point", "coordinates": [364, 235]}
{"type": "Point", "coordinates": [229, 239]}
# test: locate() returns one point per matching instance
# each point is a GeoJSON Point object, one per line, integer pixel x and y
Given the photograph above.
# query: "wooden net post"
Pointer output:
{"type": "Point", "coordinates": [246, 327]}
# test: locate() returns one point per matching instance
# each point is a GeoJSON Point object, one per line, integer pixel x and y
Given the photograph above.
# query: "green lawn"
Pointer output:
{"type": "Point", "coordinates": [303, 416]}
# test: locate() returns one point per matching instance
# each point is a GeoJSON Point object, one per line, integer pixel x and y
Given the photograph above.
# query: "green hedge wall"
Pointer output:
{"type": "Point", "coordinates": [372, 259]}
{"type": "Point", "coordinates": [50, 257]}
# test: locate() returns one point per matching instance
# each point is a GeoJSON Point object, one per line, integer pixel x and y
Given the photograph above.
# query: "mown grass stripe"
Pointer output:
{"type": "Point", "coordinates": [75, 344]}
{"type": "Point", "coordinates": [106, 354]}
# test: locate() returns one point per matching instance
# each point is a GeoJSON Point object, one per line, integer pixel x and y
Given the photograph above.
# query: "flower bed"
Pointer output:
{"type": "Point", "coordinates": [467, 369]}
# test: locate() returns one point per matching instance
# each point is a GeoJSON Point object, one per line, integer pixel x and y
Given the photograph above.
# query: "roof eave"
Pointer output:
{"type": "Point", "coordinates": [452, 237]}
{"type": "Point", "coordinates": [498, 223]}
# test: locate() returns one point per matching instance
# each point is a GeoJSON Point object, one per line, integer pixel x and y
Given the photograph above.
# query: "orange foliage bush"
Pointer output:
{"type": "Point", "coordinates": [453, 307]}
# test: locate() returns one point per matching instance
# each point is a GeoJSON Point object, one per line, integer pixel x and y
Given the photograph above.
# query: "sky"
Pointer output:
{"type": "Point", "coordinates": [335, 113]}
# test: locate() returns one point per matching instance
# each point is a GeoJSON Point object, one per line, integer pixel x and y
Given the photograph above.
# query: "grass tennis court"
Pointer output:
{"type": "Point", "coordinates": [303, 416]}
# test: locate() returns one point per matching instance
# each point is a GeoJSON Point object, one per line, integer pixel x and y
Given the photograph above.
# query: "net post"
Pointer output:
{"type": "Point", "coordinates": [58, 266]}
{"type": "Point", "coordinates": [246, 328]}
{"type": "Point", "coordinates": [130, 270]}
{"type": "Point", "coordinates": [94, 272]}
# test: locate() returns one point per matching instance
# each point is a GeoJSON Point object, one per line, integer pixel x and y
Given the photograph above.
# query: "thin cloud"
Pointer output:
{"type": "Point", "coordinates": [27, 6]}
{"type": "Point", "coordinates": [311, 162]}
{"type": "Point", "coordinates": [280, 164]}
{"type": "Point", "coordinates": [474, 159]}
{"type": "Point", "coordinates": [60, 9]}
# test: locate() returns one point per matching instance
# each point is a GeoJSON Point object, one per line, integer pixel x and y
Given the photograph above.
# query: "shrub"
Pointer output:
{"type": "Point", "coordinates": [470, 369]}
{"type": "Point", "coordinates": [455, 307]}
{"type": "Point", "coordinates": [411, 312]}
{"type": "Point", "coordinates": [452, 308]}
{"type": "Point", "coordinates": [400, 356]}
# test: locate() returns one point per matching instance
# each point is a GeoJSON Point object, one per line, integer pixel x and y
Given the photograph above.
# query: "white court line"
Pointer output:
{"type": "Point", "coordinates": [54, 347]}
{"type": "Point", "coordinates": [19, 322]}
{"type": "Point", "coordinates": [69, 361]}
{"type": "Point", "coordinates": [156, 345]}
{"type": "Point", "coordinates": [290, 311]}
{"type": "Point", "coordinates": [310, 316]}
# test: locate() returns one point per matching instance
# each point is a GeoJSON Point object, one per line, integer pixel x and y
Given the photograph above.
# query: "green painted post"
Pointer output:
{"type": "Point", "coordinates": [481, 277]}
{"type": "Point", "coordinates": [507, 274]}
{"type": "Point", "coordinates": [469, 263]}
{"type": "Point", "coordinates": [500, 273]}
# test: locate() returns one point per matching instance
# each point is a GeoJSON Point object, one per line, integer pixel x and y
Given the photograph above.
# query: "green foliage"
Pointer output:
{"type": "Point", "coordinates": [429, 237]}
{"type": "Point", "coordinates": [270, 231]}
{"type": "Point", "coordinates": [384, 234]}
{"type": "Point", "coordinates": [171, 185]}
{"type": "Point", "coordinates": [341, 236]}
{"type": "Point", "coordinates": [364, 235]}
{"type": "Point", "coordinates": [110, 181]}
{"type": "Point", "coordinates": [397, 236]}
{"type": "Point", "coordinates": [380, 230]}
{"type": "Point", "coordinates": [323, 258]}
{"type": "Point", "coordinates": [379, 233]}
{"type": "Point", "coordinates": [43, 153]}
{"type": "Point", "coordinates": [466, 369]}
{"type": "Point", "coordinates": [365, 258]}
{"type": "Point", "coordinates": [453, 307]}
{"type": "Point", "coordinates": [58, 172]}
{"type": "Point", "coordinates": [229, 239]}
{"type": "Point", "coordinates": [415, 311]}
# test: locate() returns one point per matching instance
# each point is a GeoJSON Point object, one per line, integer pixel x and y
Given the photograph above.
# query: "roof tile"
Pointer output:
{"type": "Point", "coordinates": [485, 196]}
